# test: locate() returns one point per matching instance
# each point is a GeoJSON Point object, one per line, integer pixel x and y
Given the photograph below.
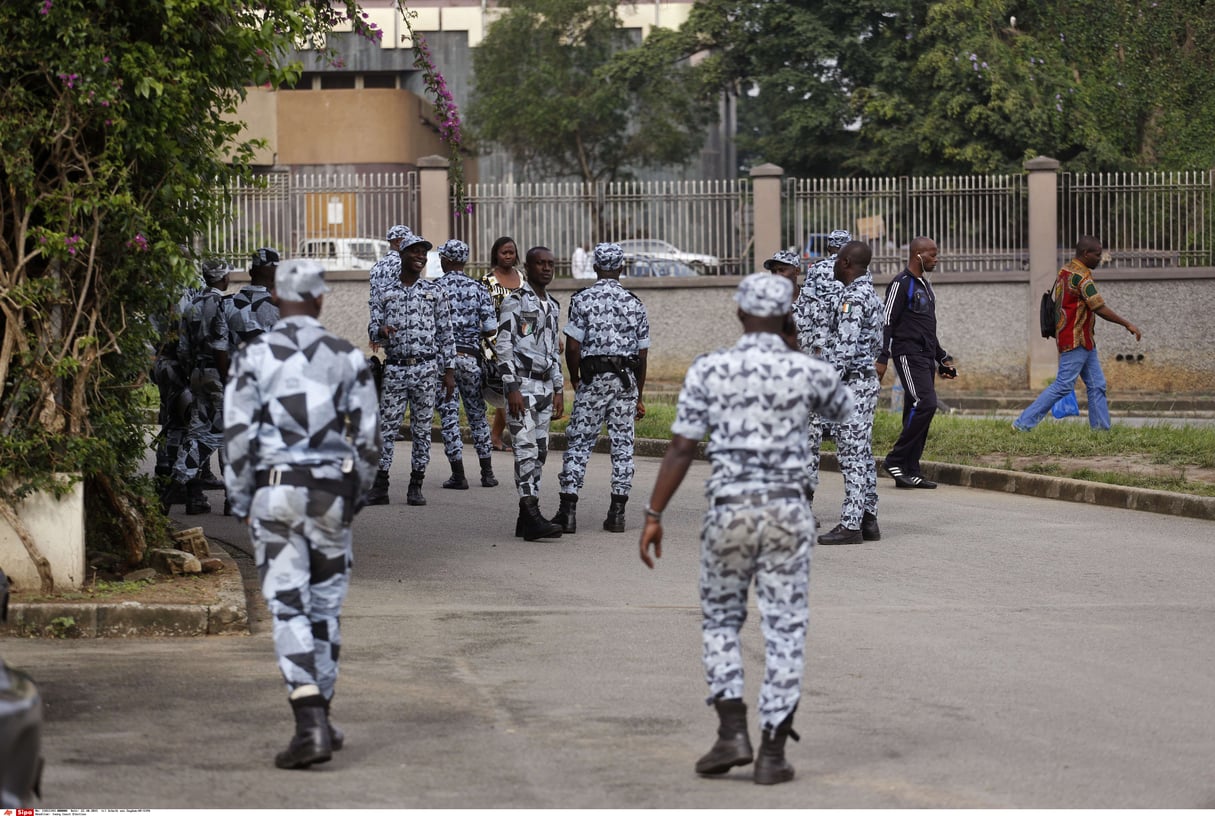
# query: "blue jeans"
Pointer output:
{"type": "Point", "coordinates": [1082, 363]}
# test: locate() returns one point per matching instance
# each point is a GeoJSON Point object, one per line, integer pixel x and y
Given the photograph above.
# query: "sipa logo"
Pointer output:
{"type": "Point", "coordinates": [24, 812]}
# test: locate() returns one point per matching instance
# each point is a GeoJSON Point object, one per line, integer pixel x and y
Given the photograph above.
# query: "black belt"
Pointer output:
{"type": "Point", "coordinates": [762, 497]}
{"type": "Point", "coordinates": [302, 478]}
{"type": "Point", "coordinates": [468, 351]}
{"type": "Point", "coordinates": [400, 361]}
{"type": "Point", "coordinates": [864, 374]}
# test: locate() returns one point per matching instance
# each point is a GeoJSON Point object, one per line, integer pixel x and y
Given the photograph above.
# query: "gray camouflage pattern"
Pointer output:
{"type": "Point", "coordinates": [472, 315]}
{"type": "Point", "coordinates": [754, 401]}
{"type": "Point", "coordinates": [383, 272]}
{"type": "Point", "coordinates": [300, 398]}
{"type": "Point", "coordinates": [422, 318]}
{"type": "Point", "coordinates": [468, 389]}
{"type": "Point", "coordinates": [853, 348]}
{"type": "Point", "coordinates": [248, 313]}
{"type": "Point", "coordinates": [607, 320]}
{"type": "Point", "coordinates": [772, 545]}
{"type": "Point", "coordinates": [526, 347]}
{"type": "Point", "coordinates": [202, 334]}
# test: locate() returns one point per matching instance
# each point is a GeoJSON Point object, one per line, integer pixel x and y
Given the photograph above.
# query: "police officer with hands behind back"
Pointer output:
{"type": "Point", "coordinates": [608, 340]}
{"type": "Point", "coordinates": [753, 400]}
{"type": "Point", "coordinates": [301, 430]}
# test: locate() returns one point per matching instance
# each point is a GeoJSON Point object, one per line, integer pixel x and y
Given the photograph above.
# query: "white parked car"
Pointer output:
{"type": "Point", "coordinates": [343, 253]}
{"type": "Point", "coordinates": [661, 250]}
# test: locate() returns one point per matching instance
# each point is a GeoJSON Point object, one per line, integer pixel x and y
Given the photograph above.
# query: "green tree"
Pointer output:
{"type": "Point", "coordinates": [564, 90]}
{"type": "Point", "coordinates": [115, 125]}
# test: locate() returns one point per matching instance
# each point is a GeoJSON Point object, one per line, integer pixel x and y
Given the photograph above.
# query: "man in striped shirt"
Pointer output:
{"type": "Point", "coordinates": [1079, 307]}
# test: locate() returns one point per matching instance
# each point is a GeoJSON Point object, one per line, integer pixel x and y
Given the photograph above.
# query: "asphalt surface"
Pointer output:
{"type": "Point", "coordinates": [993, 650]}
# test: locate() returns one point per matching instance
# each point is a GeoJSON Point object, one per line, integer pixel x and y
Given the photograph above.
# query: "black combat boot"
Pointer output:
{"type": "Point", "coordinates": [172, 493]}
{"type": "Point", "coordinates": [614, 523]}
{"type": "Point", "coordinates": [531, 524]}
{"type": "Point", "coordinates": [841, 535]}
{"type": "Point", "coordinates": [311, 744]}
{"type": "Point", "coordinates": [457, 480]}
{"type": "Point", "coordinates": [414, 494]}
{"type": "Point", "coordinates": [487, 473]}
{"type": "Point", "coordinates": [207, 478]}
{"type": "Point", "coordinates": [733, 746]}
{"type": "Point", "coordinates": [196, 499]}
{"type": "Point", "coordinates": [567, 514]}
{"type": "Point", "coordinates": [336, 738]}
{"type": "Point", "coordinates": [770, 765]}
{"type": "Point", "coordinates": [378, 494]}
{"type": "Point", "coordinates": [869, 527]}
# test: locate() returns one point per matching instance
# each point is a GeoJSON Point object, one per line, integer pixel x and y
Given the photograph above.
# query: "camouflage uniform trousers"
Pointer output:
{"type": "Point", "coordinates": [468, 389]}
{"type": "Point", "coordinates": [411, 387]}
{"type": "Point", "coordinates": [854, 446]}
{"type": "Point", "coordinates": [205, 433]}
{"type": "Point", "coordinates": [815, 436]}
{"type": "Point", "coordinates": [772, 544]}
{"type": "Point", "coordinates": [529, 435]}
{"type": "Point", "coordinates": [603, 398]}
{"type": "Point", "coordinates": [303, 548]}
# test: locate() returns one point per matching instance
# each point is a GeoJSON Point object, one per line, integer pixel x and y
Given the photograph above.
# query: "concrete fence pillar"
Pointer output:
{"type": "Point", "coordinates": [1043, 171]}
{"type": "Point", "coordinates": [766, 190]}
{"type": "Point", "coordinates": [434, 199]}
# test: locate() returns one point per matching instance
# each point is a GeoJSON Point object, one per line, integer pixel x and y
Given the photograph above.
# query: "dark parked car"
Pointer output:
{"type": "Point", "coordinates": [20, 729]}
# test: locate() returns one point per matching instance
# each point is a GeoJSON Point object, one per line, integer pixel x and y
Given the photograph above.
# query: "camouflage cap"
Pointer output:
{"type": "Point", "coordinates": [765, 295]}
{"type": "Point", "coordinates": [214, 270]}
{"type": "Point", "coordinates": [399, 231]}
{"type": "Point", "coordinates": [455, 251]}
{"type": "Point", "coordinates": [264, 257]}
{"type": "Point", "coordinates": [609, 257]}
{"type": "Point", "coordinates": [411, 239]}
{"type": "Point", "coordinates": [296, 280]}
{"type": "Point", "coordinates": [785, 256]}
{"type": "Point", "coordinates": [838, 238]}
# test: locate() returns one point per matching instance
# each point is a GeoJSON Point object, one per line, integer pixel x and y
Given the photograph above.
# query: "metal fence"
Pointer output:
{"type": "Point", "coordinates": [704, 217]}
{"type": "Point", "coordinates": [283, 210]}
{"type": "Point", "coordinates": [1144, 220]}
{"type": "Point", "coordinates": [979, 222]}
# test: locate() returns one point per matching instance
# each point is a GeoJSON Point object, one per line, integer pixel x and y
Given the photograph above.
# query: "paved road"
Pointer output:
{"type": "Point", "coordinates": [991, 651]}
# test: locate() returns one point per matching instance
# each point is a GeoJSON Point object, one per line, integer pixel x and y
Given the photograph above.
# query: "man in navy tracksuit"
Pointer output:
{"type": "Point", "coordinates": [910, 340]}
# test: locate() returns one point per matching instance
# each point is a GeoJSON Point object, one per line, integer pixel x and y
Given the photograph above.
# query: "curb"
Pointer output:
{"type": "Point", "coordinates": [227, 616]}
{"type": "Point", "coordinates": [1006, 481]}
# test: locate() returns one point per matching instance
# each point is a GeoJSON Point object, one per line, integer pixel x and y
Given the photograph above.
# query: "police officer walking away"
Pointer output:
{"type": "Point", "coordinates": [411, 318]}
{"type": "Point", "coordinates": [526, 347]}
{"type": "Point", "coordinates": [910, 340]}
{"type": "Point", "coordinates": [753, 400]}
{"type": "Point", "coordinates": [852, 348]}
{"type": "Point", "coordinates": [301, 430]}
{"type": "Point", "coordinates": [473, 318]}
{"type": "Point", "coordinates": [608, 333]}
{"type": "Point", "coordinates": [203, 345]}
{"type": "Point", "coordinates": [251, 310]}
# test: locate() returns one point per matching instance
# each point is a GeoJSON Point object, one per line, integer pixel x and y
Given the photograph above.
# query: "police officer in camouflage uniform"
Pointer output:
{"type": "Point", "coordinates": [527, 350]}
{"type": "Point", "coordinates": [852, 348]}
{"type": "Point", "coordinates": [753, 400]}
{"type": "Point", "coordinates": [608, 340]}
{"type": "Point", "coordinates": [388, 268]}
{"type": "Point", "coordinates": [473, 318]}
{"type": "Point", "coordinates": [251, 310]}
{"type": "Point", "coordinates": [412, 320]}
{"type": "Point", "coordinates": [172, 383]}
{"type": "Point", "coordinates": [813, 314]}
{"type": "Point", "coordinates": [301, 431]}
{"type": "Point", "coordinates": [203, 346]}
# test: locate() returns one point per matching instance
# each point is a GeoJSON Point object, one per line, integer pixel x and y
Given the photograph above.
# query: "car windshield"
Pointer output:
{"type": "Point", "coordinates": [364, 251]}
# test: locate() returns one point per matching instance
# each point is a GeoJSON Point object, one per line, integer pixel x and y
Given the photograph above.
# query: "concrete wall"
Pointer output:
{"type": "Point", "coordinates": [982, 323]}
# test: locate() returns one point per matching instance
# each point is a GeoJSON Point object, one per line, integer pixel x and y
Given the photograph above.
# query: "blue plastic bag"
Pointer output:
{"type": "Point", "coordinates": [1066, 406]}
